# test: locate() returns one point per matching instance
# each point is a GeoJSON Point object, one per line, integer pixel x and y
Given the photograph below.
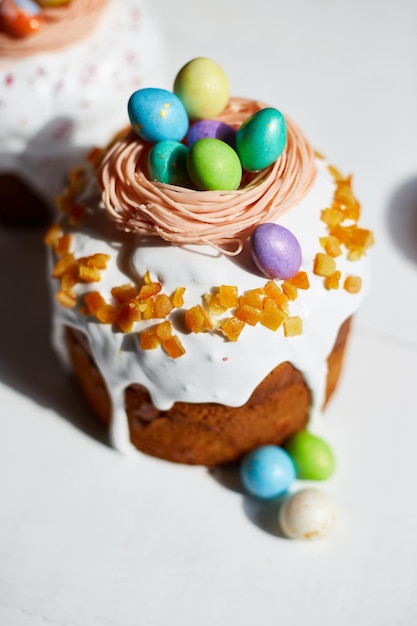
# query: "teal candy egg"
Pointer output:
{"type": "Point", "coordinates": [312, 456]}
{"type": "Point", "coordinates": [261, 139]}
{"type": "Point", "coordinates": [167, 163]}
{"type": "Point", "coordinates": [157, 115]}
{"type": "Point", "coordinates": [213, 165]}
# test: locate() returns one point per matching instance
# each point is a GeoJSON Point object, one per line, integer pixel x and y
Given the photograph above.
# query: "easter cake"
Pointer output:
{"type": "Point", "coordinates": [205, 272]}
{"type": "Point", "coordinates": [66, 69]}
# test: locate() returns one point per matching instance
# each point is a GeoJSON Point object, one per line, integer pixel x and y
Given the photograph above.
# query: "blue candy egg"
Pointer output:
{"type": "Point", "coordinates": [167, 163]}
{"type": "Point", "coordinates": [214, 129]}
{"type": "Point", "coordinates": [157, 115]}
{"type": "Point", "coordinates": [275, 251]}
{"type": "Point", "coordinates": [267, 472]}
{"type": "Point", "coordinates": [261, 139]}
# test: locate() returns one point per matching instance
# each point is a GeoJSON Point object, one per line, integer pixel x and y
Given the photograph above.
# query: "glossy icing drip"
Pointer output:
{"type": "Point", "coordinates": [212, 369]}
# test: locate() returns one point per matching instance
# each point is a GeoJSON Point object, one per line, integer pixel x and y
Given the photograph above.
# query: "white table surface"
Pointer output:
{"type": "Point", "coordinates": [91, 538]}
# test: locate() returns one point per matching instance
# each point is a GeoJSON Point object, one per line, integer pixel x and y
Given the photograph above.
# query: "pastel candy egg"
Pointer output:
{"type": "Point", "coordinates": [307, 514]}
{"type": "Point", "coordinates": [157, 115]}
{"type": "Point", "coordinates": [313, 458]}
{"type": "Point", "coordinates": [167, 163]}
{"type": "Point", "coordinates": [203, 88]}
{"type": "Point", "coordinates": [214, 165]}
{"type": "Point", "coordinates": [275, 251]}
{"type": "Point", "coordinates": [212, 128]}
{"type": "Point", "coordinates": [261, 139]}
{"type": "Point", "coordinates": [267, 472]}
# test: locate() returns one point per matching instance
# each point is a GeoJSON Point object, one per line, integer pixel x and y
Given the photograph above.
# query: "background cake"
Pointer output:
{"type": "Point", "coordinates": [180, 343]}
{"type": "Point", "coordinates": [62, 92]}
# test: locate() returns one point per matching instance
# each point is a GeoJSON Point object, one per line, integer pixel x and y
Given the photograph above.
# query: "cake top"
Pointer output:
{"type": "Point", "coordinates": [28, 27]}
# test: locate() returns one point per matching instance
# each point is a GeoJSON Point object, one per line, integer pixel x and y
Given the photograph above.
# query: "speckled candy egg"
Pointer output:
{"type": "Point", "coordinates": [275, 251]}
{"type": "Point", "coordinates": [214, 129]}
{"type": "Point", "coordinates": [214, 165]}
{"type": "Point", "coordinates": [261, 139]}
{"type": "Point", "coordinates": [267, 472]}
{"type": "Point", "coordinates": [157, 115]}
{"type": "Point", "coordinates": [167, 163]}
{"type": "Point", "coordinates": [307, 514]}
{"type": "Point", "coordinates": [313, 458]}
{"type": "Point", "coordinates": [203, 88]}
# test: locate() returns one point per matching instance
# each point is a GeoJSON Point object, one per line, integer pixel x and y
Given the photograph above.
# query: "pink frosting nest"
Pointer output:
{"type": "Point", "coordinates": [217, 218]}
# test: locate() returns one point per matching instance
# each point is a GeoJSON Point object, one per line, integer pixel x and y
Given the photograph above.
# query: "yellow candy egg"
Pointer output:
{"type": "Point", "coordinates": [203, 88]}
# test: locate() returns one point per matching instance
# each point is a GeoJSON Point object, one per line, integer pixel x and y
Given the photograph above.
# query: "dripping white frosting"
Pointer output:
{"type": "Point", "coordinates": [212, 369]}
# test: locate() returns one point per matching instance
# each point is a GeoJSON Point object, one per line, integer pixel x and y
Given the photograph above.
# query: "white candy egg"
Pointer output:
{"type": "Point", "coordinates": [307, 514]}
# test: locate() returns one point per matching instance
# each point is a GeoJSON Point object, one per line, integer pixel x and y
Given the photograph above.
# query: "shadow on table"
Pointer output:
{"type": "Point", "coordinates": [27, 362]}
{"type": "Point", "coordinates": [402, 218]}
{"type": "Point", "coordinates": [262, 513]}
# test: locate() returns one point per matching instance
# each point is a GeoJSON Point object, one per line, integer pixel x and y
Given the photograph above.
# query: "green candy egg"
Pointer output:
{"type": "Point", "coordinates": [203, 88]}
{"type": "Point", "coordinates": [312, 456]}
{"type": "Point", "coordinates": [261, 139]}
{"type": "Point", "coordinates": [213, 165]}
{"type": "Point", "coordinates": [167, 163]}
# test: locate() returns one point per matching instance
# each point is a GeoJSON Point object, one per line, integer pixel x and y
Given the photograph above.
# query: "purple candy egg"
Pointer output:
{"type": "Point", "coordinates": [275, 251]}
{"type": "Point", "coordinates": [213, 129]}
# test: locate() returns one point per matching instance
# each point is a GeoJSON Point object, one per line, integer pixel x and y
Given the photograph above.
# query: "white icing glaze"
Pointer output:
{"type": "Point", "coordinates": [212, 369]}
{"type": "Point", "coordinates": [56, 106]}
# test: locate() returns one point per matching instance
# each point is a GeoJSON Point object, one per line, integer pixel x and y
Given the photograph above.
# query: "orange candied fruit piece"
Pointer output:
{"type": "Point", "coordinates": [98, 261]}
{"type": "Point", "coordinates": [228, 296]}
{"type": "Point", "coordinates": [107, 314]}
{"type": "Point", "coordinates": [300, 280]}
{"type": "Point", "coordinates": [94, 301]}
{"type": "Point", "coordinates": [63, 265]}
{"type": "Point", "coordinates": [76, 214]}
{"type": "Point", "coordinates": [63, 245]}
{"type": "Point", "coordinates": [88, 274]}
{"type": "Point", "coordinates": [177, 297]}
{"type": "Point", "coordinates": [213, 303]}
{"type": "Point", "coordinates": [324, 265]}
{"type": "Point", "coordinates": [272, 316]}
{"type": "Point", "coordinates": [163, 305]}
{"type": "Point", "coordinates": [248, 314]}
{"type": "Point", "coordinates": [353, 284]}
{"type": "Point", "coordinates": [232, 327]}
{"type": "Point", "coordinates": [332, 281]}
{"type": "Point", "coordinates": [344, 194]}
{"type": "Point", "coordinates": [66, 299]}
{"type": "Point", "coordinates": [124, 293]}
{"type": "Point", "coordinates": [197, 320]}
{"type": "Point", "coordinates": [148, 339]}
{"type": "Point", "coordinates": [293, 326]}
{"type": "Point", "coordinates": [332, 217]}
{"type": "Point", "coordinates": [173, 347]}
{"type": "Point", "coordinates": [335, 173]}
{"type": "Point", "coordinates": [253, 298]}
{"type": "Point", "coordinates": [331, 245]}
{"type": "Point", "coordinates": [290, 289]}
{"type": "Point", "coordinates": [53, 235]}
{"type": "Point", "coordinates": [149, 289]}
{"type": "Point", "coordinates": [147, 309]}
{"type": "Point", "coordinates": [164, 330]}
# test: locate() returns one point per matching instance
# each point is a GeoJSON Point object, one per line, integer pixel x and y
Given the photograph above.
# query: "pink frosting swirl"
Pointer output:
{"type": "Point", "coordinates": [218, 218]}
{"type": "Point", "coordinates": [63, 25]}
